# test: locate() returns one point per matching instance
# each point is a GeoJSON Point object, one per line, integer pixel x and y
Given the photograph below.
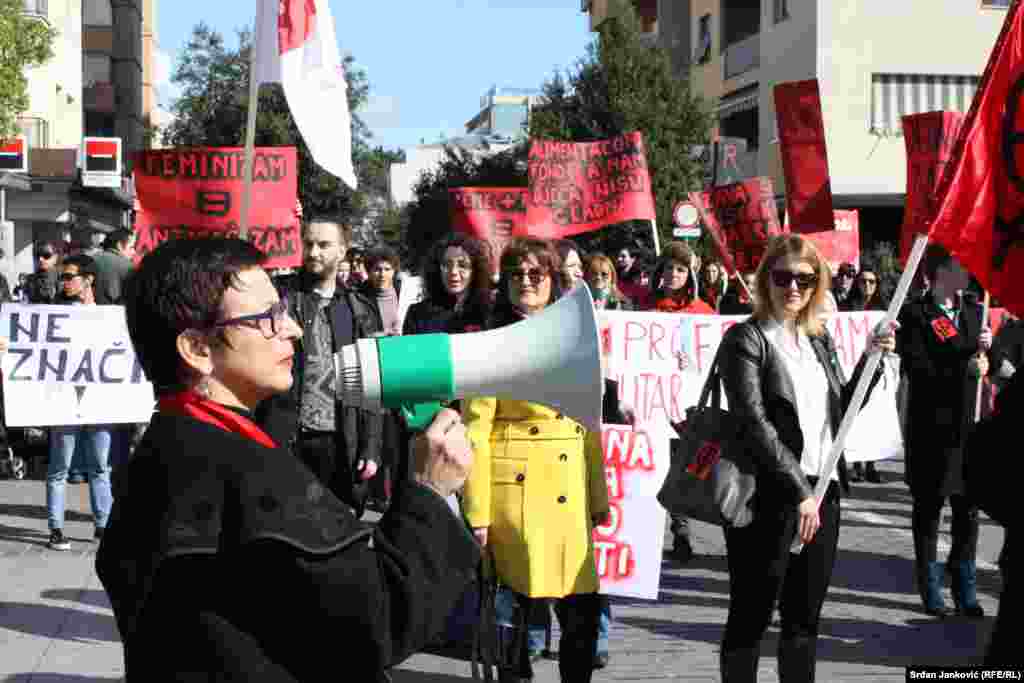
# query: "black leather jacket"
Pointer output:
{"type": "Point", "coordinates": [761, 393]}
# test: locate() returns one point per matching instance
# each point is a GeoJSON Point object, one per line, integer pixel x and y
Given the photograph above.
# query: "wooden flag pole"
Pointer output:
{"type": "Point", "coordinates": [861, 390]}
{"type": "Point", "coordinates": [250, 128]}
{"type": "Point", "coordinates": [985, 307]}
{"type": "Point", "coordinates": [657, 240]}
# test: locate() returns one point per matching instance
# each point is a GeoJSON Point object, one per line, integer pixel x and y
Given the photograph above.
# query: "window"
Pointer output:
{"type": "Point", "coordinates": [896, 95]}
{"type": "Point", "coordinates": [995, 3]}
{"type": "Point", "coordinates": [97, 13]}
{"type": "Point", "coordinates": [95, 69]}
{"type": "Point", "coordinates": [781, 10]}
{"type": "Point", "coordinates": [704, 40]}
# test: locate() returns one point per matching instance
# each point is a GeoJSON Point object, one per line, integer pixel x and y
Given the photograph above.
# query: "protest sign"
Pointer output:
{"type": "Point", "coordinates": [577, 187]}
{"type": "Point", "coordinates": [493, 215]}
{"type": "Point", "coordinates": [71, 365]}
{"type": "Point", "coordinates": [804, 155]}
{"type": "Point", "coordinates": [740, 218]}
{"type": "Point", "coordinates": [197, 192]}
{"type": "Point", "coordinates": [929, 139]}
{"type": "Point", "coordinates": [627, 553]}
{"type": "Point", "coordinates": [640, 348]}
{"type": "Point", "coordinates": [841, 245]}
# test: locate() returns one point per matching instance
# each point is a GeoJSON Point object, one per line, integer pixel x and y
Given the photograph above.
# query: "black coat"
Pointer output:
{"type": "Point", "coordinates": [225, 560]}
{"type": "Point", "coordinates": [358, 432]}
{"type": "Point", "coordinates": [940, 395]}
{"type": "Point", "coordinates": [760, 392]}
{"type": "Point", "coordinates": [427, 317]}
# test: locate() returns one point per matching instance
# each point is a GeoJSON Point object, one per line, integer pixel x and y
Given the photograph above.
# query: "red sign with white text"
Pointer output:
{"type": "Point", "coordinates": [197, 192]}
{"type": "Point", "coordinates": [493, 215]}
{"type": "Point", "coordinates": [740, 218]}
{"type": "Point", "coordinates": [804, 155]}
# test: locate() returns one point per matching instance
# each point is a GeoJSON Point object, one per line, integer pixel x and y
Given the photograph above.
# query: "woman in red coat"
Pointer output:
{"type": "Point", "coordinates": [676, 282]}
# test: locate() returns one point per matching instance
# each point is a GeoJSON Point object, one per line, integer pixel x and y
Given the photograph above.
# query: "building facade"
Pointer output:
{"type": "Point", "coordinates": [875, 61]}
{"type": "Point", "coordinates": [504, 113]}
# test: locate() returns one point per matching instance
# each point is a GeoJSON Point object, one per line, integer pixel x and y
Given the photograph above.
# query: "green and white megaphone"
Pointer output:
{"type": "Point", "coordinates": [552, 358]}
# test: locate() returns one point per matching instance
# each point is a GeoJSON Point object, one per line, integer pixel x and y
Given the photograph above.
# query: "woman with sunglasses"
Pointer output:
{"type": "Point", "coordinates": [527, 452]}
{"type": "Point", "coordinates": [866, 296]}
{"type": "Point", "coordinates": [603, 281]}
{"type": "Point", "coordinates": [221, 541]}
{"type": "Point", "coordinates": [782, 378]}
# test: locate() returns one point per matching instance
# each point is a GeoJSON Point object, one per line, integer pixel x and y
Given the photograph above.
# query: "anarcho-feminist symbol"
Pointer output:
{"type": "Point", "coordinates": [1008, 233]}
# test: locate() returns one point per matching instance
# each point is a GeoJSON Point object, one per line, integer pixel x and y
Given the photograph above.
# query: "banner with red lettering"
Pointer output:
{"type": "Point", "coordinates": [197, 192]}
{"type": "Point", "coordinates": [929, 139]}
{"type": "Point", "coordinates": [628, 555]}
{"type": "Point", "coordinates": [582, 186]}
{"type": "Point", "coordinates": [804, 155]}
{"type": "Point", "coordinates": [493, 215]}
{"type": "Point", "coordinates": [841, 245]}
{"type": "Point", "coordinates": [740, 218]}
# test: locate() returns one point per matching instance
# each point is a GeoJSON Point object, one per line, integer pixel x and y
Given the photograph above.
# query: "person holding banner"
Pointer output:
{"type": "Point", "coordinates": [529, 452]}
{"type": "Point", "coordinates": [943, 340]}
{"type": "Point", "coordinates": [782, 378]}
{"type": "Point", "coordinates": [225, 557]}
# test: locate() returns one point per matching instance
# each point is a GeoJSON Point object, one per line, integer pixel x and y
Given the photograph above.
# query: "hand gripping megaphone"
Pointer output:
{"type": "Point", "coordinates": [552, 358]}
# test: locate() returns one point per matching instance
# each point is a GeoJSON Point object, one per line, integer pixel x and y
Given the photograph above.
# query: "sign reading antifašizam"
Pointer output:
{"type": "Point", "coordinates": [493, 215]}
{"type": "Point", "coordinates": [577, 187]}
{"type": "Point", "coordinates": [197, 192]}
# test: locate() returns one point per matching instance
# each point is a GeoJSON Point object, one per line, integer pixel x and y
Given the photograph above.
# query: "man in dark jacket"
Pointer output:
{"type": "Point", "coordinates": [941, 339]}
{"type": "Point", "coordinates": [114, 265]}
{"type": "Point", "coordinates": [340, 443]}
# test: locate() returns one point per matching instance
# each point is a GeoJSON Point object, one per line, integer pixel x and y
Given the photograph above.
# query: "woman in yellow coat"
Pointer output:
{"type": "Point", "coordinates": [538, 486]}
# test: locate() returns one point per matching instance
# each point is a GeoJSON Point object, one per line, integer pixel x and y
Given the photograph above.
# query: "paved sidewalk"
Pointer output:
{"type": "Point", "coordinates": [56, 625]}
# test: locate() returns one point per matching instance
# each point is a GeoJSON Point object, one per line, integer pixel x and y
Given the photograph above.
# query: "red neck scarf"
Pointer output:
{"type": "Point", "coordinates": [191, 404]}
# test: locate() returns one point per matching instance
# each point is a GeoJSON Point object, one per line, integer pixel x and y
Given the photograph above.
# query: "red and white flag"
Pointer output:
{"type": "Point", "coordinates": [296, 47]}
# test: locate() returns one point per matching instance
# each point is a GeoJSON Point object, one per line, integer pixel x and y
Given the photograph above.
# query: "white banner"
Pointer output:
{"type": "Point", "coordinates": [71, 365]}
{"type": "Point", "coordinates": [640, 353]}
{"type": "Point", "coordinates": [628, 554]}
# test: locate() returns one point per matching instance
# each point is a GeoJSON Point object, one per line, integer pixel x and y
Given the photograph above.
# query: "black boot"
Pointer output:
{"type": "Point", "coordinates": [796, 660]}
{"type": "Point", "coordinates": [931, 590]}
{"type": "Point", "coordinates": [739, 666]}
{"type": "Point", "coordinates": [579, 616]}
{"type": "Point", "coordinates": [965, 588]}
{"type": "Point", "coordinates": [513, 658]}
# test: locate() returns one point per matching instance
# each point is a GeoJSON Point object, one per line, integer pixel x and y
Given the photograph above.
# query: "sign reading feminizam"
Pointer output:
{"type": "Point", "coordinates": [929, 138]}
{"type": "Point", "coordinates": [71, 365]}
{"type": "Point", "coordinates": [740, 218]}
{"type": "Point", "coordinates": [582, 186]}
{"type": "Point", "coordinates": [197, 192]}
{"type": "Point", "coordinates": [627, 554]}
{"type": "Point", "coordinates": [493, 215]}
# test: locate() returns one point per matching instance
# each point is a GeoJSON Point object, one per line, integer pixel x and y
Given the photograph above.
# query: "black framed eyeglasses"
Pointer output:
{"type": "Point", "coordinates": [534, 275]}
{"type": "Point", "coordinates": [68, 277]}
{"type": "Point", "coordinates": [45, 254]}
{"type": "Point", "coordinates": [270, 322]}
{"type": "Point", "coordinates": [785, 278]}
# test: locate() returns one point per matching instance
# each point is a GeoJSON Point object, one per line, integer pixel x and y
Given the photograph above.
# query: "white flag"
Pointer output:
{"type": "Point", "coordinates": [296, 47]}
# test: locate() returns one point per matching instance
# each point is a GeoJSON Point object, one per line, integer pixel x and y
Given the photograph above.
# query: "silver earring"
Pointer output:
{"type": "Point", "coordinates": [203, 387]}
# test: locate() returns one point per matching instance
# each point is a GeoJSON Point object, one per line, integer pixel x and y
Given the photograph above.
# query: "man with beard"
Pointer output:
{"type": "Point", "coordinates": [340, 443]}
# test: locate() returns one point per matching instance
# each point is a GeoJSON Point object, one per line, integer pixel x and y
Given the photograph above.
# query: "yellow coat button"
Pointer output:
{"type": "Point", "coordinates": [563, 457]}
{"type": "Point", "coordinates": [534, 431]}
{"type": "Point", "coordinates": [520, 477]}
{"type": "Point", "coordinates": [561, 499]}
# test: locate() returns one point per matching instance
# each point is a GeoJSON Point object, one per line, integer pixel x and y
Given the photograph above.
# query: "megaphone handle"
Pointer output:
{"type": "Point", "coordinates": [418, 416]}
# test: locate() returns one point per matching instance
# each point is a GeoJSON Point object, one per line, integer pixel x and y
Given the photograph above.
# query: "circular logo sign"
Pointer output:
{"type": "Point", "coordinates": [685, 215]}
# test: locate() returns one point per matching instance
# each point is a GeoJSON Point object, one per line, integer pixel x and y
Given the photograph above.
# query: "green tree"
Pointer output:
{"type": "Point", "coordinates": [624, 84]}
{"type": "Point", "coordinates": [25, 42]}
{"type": "Point", "coordinates": [213, 108]}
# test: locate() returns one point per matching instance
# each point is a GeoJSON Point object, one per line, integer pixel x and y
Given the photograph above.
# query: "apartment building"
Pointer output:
{"type": "Point", "coordinates": [504, 113]}
{"type": "Point", "coordinates": [875, 61]}
{"type": "Point", "coordinates": [93, 86]}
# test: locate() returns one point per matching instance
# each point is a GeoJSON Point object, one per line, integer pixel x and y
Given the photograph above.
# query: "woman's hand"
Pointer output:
{"type": "Point", "coordinates": [682, 360]}
{"type": "Point", "coordinates": [978, 366]}
{"type": "Point", "coordinates": [4, 345]}
{"type": "Point", "coordinates": [367, 469]}
{"type": "Point", "coordinates": [480, 534]}
{"type": "Point", "coordinates": [985, 339]}
{"type": "Point", "coordinates": [442, 456]}
{"type": "Point", "coordinates": [808, 521]}
{"type": "Point", "coordinates": [883, 338]}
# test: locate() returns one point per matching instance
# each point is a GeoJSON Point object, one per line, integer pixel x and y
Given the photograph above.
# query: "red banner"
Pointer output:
{"type": "Point", "coordinates": [740, 218]}
{"type": "Point", "coordinates": [980, 215]}
{"type": "Point", "coordinates": [582, 186]}
{"type": "Point", "coordinates": [841, 245]}
{"type": "Point", "coordinates": [804, 156]}
{"type": "Point", "coordinates": [493, 215]}
{"type": "Point", "coordinates": [197, 192]}
{"type": "Point", "coordinates": [929, 139]}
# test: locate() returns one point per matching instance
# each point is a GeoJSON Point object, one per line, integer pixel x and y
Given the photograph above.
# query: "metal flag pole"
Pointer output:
{"type": "Point", "coordinates": [985, 308]}
{"type": "Point", "coordinates": [250, 126]}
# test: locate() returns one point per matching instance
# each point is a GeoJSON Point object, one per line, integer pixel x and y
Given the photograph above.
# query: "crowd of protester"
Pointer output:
{"type": "Point", "coordinates": [343, 293]}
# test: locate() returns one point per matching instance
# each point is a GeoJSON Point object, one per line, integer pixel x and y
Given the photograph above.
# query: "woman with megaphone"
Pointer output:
{"type": "Point", "coordinates": [537, 490]}
{"type": "Point", "coordinates": [223, 543]}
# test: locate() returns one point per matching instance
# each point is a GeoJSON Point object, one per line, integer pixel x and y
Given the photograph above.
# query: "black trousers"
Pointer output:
{"type": "Point", "coordinates": [579, 615]}
{"type": "Point", "coordinates": [762, 569]}
{"type": "Point", "coordinates": [926, 514]}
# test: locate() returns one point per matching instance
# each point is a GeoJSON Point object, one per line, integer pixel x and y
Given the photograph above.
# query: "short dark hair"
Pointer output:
{"type": "Point", "coordinates": [520, 249]}
{"type": "Point", "coordinates": [675, 252]}
{"type": "Point", "coordinates": [344, 229]}
{"type": "Point", "coordinates": [480, 283]}
{"type": "Point", "coordinates": [116, 238]}
{"type": "Point", "coordinates": [180, 285]}
{"type": "Point", "coordinates": [566, 246]}
{"type": "Point", "coordinates": [380, 253]}
{"type": "Point", "coordinates": [86, 264]}
{"type": "Point", "coordinates": [355, 254]}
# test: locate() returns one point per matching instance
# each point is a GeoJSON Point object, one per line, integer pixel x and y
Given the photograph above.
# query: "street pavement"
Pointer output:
{"type": "Point", "coordinates": [56, 625]}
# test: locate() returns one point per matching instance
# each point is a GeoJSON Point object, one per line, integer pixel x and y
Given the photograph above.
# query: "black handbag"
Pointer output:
{"type": "Point", "coordinates": [711, 477]}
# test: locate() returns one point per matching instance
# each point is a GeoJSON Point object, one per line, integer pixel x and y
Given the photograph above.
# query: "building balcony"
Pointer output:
{"type": "Point", "coordinates": [53, 163]}
{"type": "Point", "coordinates": [743, 56]}
{"type": "Point", "coordinates": [98, 97]}
{"type": "Point", "coordinates": [37, 8]}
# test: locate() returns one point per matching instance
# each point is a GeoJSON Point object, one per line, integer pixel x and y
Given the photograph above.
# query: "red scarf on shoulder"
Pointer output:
{"type": "Point", "coordinates": [191, 404]}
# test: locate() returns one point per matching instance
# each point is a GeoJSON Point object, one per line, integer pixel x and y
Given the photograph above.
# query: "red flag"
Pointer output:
{"type": "Point", "coordinates": [493, 215]}
{"type": "Point", "coordinates": [581, 186]}
{"type": "Point", "coordinates": [804, 156]}
{"type": "Point", "coordinates": [841, 245]}
{"type": "Point", "coordinates": [929, 138]}
{"type": "Point", "coordinates": [980, 216]}
{"type": "Point", "coordinates": [740, 218]}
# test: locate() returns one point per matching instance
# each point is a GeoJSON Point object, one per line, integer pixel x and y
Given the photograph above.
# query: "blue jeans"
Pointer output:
{"type": "Point", "coordinates": [539, 622]}
{"type": "Point", "coordinates": [96, 440]}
